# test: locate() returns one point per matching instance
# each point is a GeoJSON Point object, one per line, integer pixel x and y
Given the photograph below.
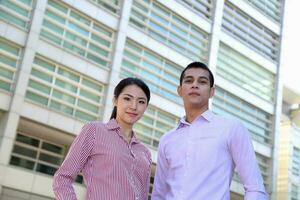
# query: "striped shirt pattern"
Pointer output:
{"type": "Point", "coordinates": [112, 168]}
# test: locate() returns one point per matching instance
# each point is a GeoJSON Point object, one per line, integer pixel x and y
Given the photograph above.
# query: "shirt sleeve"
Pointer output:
{"type": "Point", "coordinates": [160, 187]}
{"type": "Point", "coordinates": [73, 163]}
{"type": "Point", "coordinates": [244, 158]}
{"type": "Point", "coordinates": [147, 186]}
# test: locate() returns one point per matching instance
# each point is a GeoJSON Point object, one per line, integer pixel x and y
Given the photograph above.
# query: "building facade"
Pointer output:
{"type": "Point", "coordinates": [61, 59]}
{"type": "Point", "coordinates": [288, 184]}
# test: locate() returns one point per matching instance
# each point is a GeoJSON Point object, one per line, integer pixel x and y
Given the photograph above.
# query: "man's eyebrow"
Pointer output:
{"type": "Point", "coordinates": [200, 77]}
{"type": "Point", "coordinates": [203, 77]}
{"type": "Point", "coordinates": [188, 77]}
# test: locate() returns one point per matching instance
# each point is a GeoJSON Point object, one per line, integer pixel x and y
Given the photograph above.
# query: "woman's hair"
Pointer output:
{"type": "Point", "coordinates": [126, 82]}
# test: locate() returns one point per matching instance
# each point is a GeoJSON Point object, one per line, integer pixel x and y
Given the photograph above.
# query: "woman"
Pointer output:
{"type": "Point", "coordinates": [114, 163]}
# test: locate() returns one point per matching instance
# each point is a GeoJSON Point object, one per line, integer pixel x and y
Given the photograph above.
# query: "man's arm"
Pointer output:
{"type": "Point", "coordinates": [244, 158]}
{"type": "Point", "coordinates": [160, 186]}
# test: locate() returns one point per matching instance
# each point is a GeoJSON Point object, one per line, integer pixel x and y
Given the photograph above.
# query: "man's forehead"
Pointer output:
{"type": "Point", "coordinates": [196, 72]}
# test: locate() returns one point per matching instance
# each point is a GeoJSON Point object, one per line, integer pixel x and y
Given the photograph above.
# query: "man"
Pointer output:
{"type": "Point", "coordinates": [196, 160]}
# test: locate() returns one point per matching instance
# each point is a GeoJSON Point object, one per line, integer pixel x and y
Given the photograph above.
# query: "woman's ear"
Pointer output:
{"type": "Point", "coordinates": [115, 101]}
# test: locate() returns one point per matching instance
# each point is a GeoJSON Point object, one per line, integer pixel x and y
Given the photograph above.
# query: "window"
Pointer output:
{"type": "Point", "coordinates": [161, 75]}
{"type": "Point", "coordinates": [64, 90]}
{"type": "Point", "coordinates": [258, 122]}
{"type": "Point", "coordinates": [296, 162]}
{"type": "Point", "coordinates": [110, 5]}
{"type": "Point", "coordinates": [250, 32]}
{"type": "Point", "coordinates": [245, 73]}
{"type": "Point", "coordinates": [17, 12]}
{"type": "Point", "coordinates": [37, 155]}
{"type": "Point", "coordinates": [294, 192]}
{"type": "Point", "coordinates": [270, 8]}
{"type": "Point", "coordinates": [77, 33]}
{"type": "Point", "coordinates": [10, 56]}
{"type": "Point", "coordinates": [170, 29]}
{"type": "Point", "coordinates": [265, 167]}
{"type": "Point", "coordinates": [204, 8]}
{"type": "Point", "coordinates": [153, 125]}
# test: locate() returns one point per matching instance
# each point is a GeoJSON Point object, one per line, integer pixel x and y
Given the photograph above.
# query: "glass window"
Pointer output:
{"type": "Point", "coordinates": [112, 6]}
{"type": "Point", "coordinates": [270, 8]}
{"type": "Point", "coordinates": [204, 8]}
{"type": "Point", "coordinates": [10, 56]}
{"type": "Point", "coordinates": [37, 155]}
{"type": "Point", "coordinates": [224, 103]}
{"type": "Point", "coordinates": [161, 75]}
{"type": "Point", "coordinates": [245, 73]}
{"type": "Point", "coordinates": [296, 162]}
{"type": "Point", "coordinates": [78, 33]}
{"type": "Point", "coordinates": [294, 191]}
{"type": "Point", "coordinates": [64, 90]}
{"type": "Point", "coordinates": [250, 32]}
{"type": "Point", "coordinates": [17, 12]}
{"type": "Point", "coordinates": [169, 28]}
{"type": "Point", "coordinates": [153, 125]}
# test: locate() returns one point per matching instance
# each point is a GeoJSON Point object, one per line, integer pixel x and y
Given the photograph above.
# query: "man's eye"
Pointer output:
{"type": "Point", "coordinates": [142, 102]}
{"type": "Point", "coordinates": [188, 81]}
{"type": "Point", "coordinates": [126, 98]}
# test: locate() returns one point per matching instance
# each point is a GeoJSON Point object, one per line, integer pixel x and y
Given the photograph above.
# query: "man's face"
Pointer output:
{"type": "Point", "coordinates": [195, 89]}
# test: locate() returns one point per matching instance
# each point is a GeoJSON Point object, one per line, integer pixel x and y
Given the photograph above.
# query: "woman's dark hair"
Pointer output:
{"type": "Point", "coordinates": [126, 82]}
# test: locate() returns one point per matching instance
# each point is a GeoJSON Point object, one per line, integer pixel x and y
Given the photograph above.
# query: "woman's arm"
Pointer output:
{"type": "Point", "coordinates": [73, 163]}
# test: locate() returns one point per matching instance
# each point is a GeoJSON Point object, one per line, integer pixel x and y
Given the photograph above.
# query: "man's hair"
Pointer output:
{"type": "Point", "coordinates": [199, 65]}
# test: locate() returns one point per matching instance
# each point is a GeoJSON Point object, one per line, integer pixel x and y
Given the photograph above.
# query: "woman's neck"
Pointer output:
{"type": "Point", "coordinates": [126, 129]}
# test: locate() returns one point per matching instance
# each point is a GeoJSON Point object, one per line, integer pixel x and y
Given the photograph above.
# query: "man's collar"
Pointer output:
{"type": "Point", "coordinates": [207, 115]}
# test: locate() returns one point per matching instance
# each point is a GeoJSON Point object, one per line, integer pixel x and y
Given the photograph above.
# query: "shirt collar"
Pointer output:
{"type": "Point", "coordinates": [207, 115]}
{"type": "Point", "coordinates": [114, 127]}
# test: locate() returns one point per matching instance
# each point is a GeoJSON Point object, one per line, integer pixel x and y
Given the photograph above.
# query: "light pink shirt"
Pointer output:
{"type": "Point", "coordinates": [196, 161]}
{"type": "Point", "coordinates": [112, 169]}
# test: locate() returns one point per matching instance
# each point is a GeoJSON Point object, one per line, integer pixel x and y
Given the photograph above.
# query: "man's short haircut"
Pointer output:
{"type": "Point", "coordinates": [199, 65]}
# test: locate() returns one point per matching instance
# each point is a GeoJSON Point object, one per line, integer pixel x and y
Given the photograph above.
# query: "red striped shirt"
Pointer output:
{"type": "Point", "coordinates": [112, 168]}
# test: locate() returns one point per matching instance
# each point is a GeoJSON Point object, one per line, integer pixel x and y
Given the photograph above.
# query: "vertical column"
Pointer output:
{"type": "Point", "coordinates": [278, 110]}
{"type": "Point", "coordinates": [117, 58]}
{"type": "Point", "coordinates": [11, 118]}
{"type": "Point", "coordinates": [215, 37]}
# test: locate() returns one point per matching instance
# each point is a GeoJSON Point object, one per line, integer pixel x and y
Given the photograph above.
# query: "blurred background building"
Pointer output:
{"type": "Point", "coordinates": [288, 184]}
{"type": "Point", "coordinates": [60, 61]}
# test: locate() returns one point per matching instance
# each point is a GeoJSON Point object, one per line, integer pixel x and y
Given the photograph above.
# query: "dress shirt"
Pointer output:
{"type": "Point", "coordinates": [196, 161]}
{"type": "Point", "coordinates": [112, 168]}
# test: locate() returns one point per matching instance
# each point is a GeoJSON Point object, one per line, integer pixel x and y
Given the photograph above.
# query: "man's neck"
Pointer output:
{"type": "Point", "coordinates": [193, 113]}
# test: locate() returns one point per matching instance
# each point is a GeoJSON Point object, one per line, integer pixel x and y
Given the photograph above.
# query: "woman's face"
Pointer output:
{"type": "Point", "coordinates": [131, 105]}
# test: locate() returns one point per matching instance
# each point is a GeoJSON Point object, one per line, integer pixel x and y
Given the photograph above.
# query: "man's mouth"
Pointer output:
{"type": "Point", "coordinates": [194, 94]}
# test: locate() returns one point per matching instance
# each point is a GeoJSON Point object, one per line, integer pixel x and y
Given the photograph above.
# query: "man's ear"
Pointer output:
{"type": "Point", "coordinates": [212, 92]}
{"type": "Point", "coordinates": [179, 90]}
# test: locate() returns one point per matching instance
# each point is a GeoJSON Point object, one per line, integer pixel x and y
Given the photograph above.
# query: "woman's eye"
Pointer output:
{"type": "Point", "coordinates": [126, 98]}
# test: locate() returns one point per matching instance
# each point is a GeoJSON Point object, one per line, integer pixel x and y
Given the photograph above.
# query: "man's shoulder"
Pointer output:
{"type": "Point", "coordinates": [168, 135]}
{"type": "Point", "coordinates": [227, 120]}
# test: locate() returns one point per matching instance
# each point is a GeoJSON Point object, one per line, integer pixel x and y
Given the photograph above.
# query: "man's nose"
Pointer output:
{"type": "Point", "coordinates": [195, 84]}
